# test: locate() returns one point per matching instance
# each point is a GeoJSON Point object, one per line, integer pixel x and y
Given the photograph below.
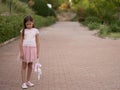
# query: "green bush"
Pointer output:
{"type": "Point", "coordinates": [115, 28]}
{"type": "Point", "coordinates": [104, 30]}
{"type": "Point", "coordinates": [42, 9]}
{"type": "Point", "coordinates": [55, 3]}
{"type": "Point", "coordinates": [89, 12]}
{"type": "Point", "coordinates": [93, 19]}
{"type": "Point", "coordinates": [90, 20]}
{"type": "Point", "coordinates": [10, 26]}
{"type": "Point", "coordinates": [93, 25]}
{"type": "Point", "coordinates": [42, 21]}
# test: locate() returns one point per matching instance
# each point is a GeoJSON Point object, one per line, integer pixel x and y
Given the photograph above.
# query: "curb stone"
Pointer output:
{"type": "Point", "coordinates": [8, 41]}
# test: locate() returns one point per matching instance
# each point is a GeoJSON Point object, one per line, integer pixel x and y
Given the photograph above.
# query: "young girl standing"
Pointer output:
{"type": "Point", "coordinates": [29, 49]}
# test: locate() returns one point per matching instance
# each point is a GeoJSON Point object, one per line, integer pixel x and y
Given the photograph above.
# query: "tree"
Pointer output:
{"type": "Point", "coordinates": [41, 8]}
{"type": "Point", "coordinates": [56, 3]}
{"type": "Point", "coordinates": [117, 4]}
{"type": "Point", "coordinates": [80, 3]}
{"type": "Point", "coordinates": [104, 9]}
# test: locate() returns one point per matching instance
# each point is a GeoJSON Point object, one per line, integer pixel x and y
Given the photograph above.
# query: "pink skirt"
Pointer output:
{"type": "Point", "coordinates": [30, 54]}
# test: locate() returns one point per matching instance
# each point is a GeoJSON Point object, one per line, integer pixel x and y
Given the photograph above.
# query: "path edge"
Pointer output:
{"type": "Point", "coordinates": [8, 41]}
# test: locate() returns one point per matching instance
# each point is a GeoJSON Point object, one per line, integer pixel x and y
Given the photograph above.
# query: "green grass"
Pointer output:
{"type": "Point", "coordinates": [114, 35]}
{"type": "Point", "coordinates": [110, 35]}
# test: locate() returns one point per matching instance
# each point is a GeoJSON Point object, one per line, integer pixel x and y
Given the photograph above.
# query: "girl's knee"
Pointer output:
{"type": "Point", "coordinates": [24, 65]}
{"type": "Point", "coordinates": [30, 65]}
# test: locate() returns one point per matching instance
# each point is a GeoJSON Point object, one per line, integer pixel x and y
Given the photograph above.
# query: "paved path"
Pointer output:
{"type": "Point", "coordinates": [72, 58]}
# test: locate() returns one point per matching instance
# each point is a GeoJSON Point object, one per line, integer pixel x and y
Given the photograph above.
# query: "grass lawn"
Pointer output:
{"type": "Point", "coordinates": [114, 35]}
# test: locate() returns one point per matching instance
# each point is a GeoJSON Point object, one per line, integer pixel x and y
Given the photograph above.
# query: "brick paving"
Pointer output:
{"type": "Point", "coordinates": [72, 57]}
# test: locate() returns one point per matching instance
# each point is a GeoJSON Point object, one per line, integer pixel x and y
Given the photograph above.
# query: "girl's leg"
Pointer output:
{"type": "Point", "coordinates": [23, 71]}
{"type": "Point", "coordinates": [29, 71]}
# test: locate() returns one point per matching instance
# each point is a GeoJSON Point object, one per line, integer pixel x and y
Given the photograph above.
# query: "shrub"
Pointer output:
{"type": "Point", "coordinates": [93, 25]}
{"type": "Point", "coordinates": [41, 8]}
{"type": "Point", "coordinates": [115, 28]}
{"type": "Point", "coordinates": [55, 3]}
{"type": "Point", "coordinates": [10, 26]}
{"type": "Point", "coordinates": [41, 21]}
{"type": "Point", "coordinates": [93, 19]}
{"type": "Point", "coordinates": [104, 30]}
{"type": "Point", "coordinates": [89, 12]}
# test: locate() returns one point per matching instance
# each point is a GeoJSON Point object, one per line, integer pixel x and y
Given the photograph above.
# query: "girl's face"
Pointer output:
{"type": "Point", "coordinates": [29, 24]}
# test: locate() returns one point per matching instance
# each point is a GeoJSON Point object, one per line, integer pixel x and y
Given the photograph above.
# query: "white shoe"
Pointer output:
{"type": "Point", "coordinates": [24, 86]}
{"type": "Point", "coordinates": [29, 84]}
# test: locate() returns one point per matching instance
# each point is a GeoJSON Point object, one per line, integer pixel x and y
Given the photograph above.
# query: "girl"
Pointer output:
{"type": "Point", "coordinates": [29, 49]}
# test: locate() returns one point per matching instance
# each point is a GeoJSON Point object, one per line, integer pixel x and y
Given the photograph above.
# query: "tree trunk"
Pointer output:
{"type": "Point", "coordinates": [0, 6]}
{"type": "Point", "coordinates": [10, 3]}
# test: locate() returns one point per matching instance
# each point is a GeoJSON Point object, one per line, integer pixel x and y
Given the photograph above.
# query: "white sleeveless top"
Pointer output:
{"type": "Point", "coordinates": [30, 37]}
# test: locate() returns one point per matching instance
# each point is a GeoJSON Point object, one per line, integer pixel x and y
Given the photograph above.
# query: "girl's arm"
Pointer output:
{"type": "Point", "coordinates": [21, 45]}
{"type": "Point", "coordinates": [38, 44]}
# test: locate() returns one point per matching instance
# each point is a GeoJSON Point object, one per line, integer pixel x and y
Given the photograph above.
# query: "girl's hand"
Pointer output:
{"type": "Point", "coordinates": [21, 56]}
{"type": "Point", "coordinates": [37, 56]}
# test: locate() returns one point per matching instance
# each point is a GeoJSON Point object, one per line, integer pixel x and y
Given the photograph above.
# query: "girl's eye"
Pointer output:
{"type": "Point", "coordinates": [29, 24]}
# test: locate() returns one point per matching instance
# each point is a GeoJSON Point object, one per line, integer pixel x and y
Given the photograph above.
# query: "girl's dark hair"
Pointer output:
{"type": "Point", "coordinates": [26, 19]}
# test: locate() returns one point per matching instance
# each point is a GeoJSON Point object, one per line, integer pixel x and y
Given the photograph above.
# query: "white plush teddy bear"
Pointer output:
{"type": "Point", "coordinates": [37, 68]}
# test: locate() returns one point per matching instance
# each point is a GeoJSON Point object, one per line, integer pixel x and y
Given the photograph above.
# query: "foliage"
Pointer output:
{"type": "Point", "coordinates": [80, 3]}
{"type": "Point", "coordinates": [3, 8]}
{"type": "Point", "coordinates": [88, 12]}
{"type": "Point", "coordinates": [90, 20]}
{"type": "Point", "coordinates": [115, 27]}
{"type": "Point", "coordinates": [56, 3]}
{"type": "Point", "coordinates": [64, 7]}
{"type": "Point", "coordinates": [93, 25]}
{"type": "Point", "coordinates": [20, 7]}
{"type": "Point", "coordinates": [104, 30]}
{"type": "Point", "coordinates": [43, 21]}
{"type": "Point", "coordinates": [99, 14]}
{"type": "Point", "coordinates": [42, 9]}
{"type": "Point", "coordinates": [11, 25]}
{"type": "Point", "coordinates": [93, 19]}
{"type": "Point", "coordinates": [105, 10]}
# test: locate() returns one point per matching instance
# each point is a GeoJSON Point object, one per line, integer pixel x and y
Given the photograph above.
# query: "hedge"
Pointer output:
{"type": "Point", "coordinates": [10, 26]}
